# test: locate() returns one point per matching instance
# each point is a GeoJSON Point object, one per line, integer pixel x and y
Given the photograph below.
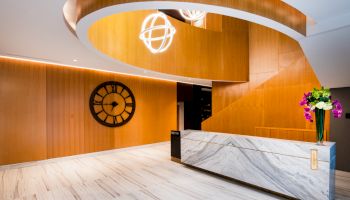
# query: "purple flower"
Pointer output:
{"type": "Point", "coordinates": [337, 113]}
{"type": "Point", "coordinates": [307, 109]}
{"type": "Point", "coordinates": [308, 116]}
{"type": "Point", "coordinates": [303, 102]}
{"type": "Point", "coordinates": [307, 95]}
{"type": "Point", "coordinates": [337, 105]}
{"type": "Point", "coordinates": [338, 109]}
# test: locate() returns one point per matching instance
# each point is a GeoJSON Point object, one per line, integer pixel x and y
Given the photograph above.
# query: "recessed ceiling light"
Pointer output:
{"type": "Point", "coordinates": [75, 60]}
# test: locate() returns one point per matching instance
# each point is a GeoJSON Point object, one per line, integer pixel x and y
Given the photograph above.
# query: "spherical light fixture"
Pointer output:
{"type": "Point", "coordinates": [157, 32]}
{"type": "Point", "coordinates": [192, 15]}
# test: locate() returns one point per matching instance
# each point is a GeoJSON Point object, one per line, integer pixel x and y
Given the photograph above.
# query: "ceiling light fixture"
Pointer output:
{"type": "Point", "coordinates": [192, 15]}
{"type": "Point", "coordinates": [157, 32]}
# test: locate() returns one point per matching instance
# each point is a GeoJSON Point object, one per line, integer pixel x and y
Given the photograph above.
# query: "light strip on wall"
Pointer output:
{"type": "Point", "coordinates": [78, 67]}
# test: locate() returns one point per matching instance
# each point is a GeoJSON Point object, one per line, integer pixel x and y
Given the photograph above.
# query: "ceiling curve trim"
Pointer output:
{"type": "Point", "coordinates": [262, 12]}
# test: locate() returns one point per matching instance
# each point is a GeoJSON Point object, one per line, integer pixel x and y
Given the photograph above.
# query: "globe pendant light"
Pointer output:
{"type": "Point", "coordinates": [157, 32]}
{"type": "Point", "coordinates": [192, 15]}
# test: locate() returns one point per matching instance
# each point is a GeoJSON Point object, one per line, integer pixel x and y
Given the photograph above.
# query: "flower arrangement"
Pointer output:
{"type": "Point", "coordinates": [319, 101]}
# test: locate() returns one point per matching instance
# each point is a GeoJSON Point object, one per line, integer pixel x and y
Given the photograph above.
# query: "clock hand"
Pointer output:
{"type": "Point", "coordinates": [114, 104]}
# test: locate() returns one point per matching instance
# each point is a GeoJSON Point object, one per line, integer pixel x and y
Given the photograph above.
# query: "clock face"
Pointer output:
{"type": "Point", "coordinates": [112, 104]}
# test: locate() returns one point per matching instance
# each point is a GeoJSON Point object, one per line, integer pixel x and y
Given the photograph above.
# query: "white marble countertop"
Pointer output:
{"type": "Point", "coordinates": [284, 147]}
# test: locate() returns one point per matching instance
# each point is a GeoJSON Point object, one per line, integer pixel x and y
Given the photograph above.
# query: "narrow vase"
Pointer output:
{"type": "Point", "coordinates": [320, 115]}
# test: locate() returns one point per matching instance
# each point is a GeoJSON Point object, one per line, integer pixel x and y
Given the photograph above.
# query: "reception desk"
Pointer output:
{"type": "Point", "coordinates": [296, 169]}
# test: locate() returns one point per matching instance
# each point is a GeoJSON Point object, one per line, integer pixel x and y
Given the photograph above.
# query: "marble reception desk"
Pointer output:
{"type": "Point", "coordinates": [283, 166]}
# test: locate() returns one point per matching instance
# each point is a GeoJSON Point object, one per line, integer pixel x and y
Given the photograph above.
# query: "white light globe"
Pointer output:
{"type": "Point", "coordinates": [157, 32]}
{"type": "Point", "coordinates": [192, 15]}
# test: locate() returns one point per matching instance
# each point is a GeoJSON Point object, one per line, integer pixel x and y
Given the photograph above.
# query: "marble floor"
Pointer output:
{"type": "Point", "coordinates": [135, 173]}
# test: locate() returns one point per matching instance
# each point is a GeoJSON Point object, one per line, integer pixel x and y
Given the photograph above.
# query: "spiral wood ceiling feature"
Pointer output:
{"type": "Point", "coordinates": [201, 54]}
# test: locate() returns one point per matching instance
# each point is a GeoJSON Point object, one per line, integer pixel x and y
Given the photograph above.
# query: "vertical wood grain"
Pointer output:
{"type": "Point", "coordinates": [96, 136]}
{"type": "Point", "coordinates": [213, 22]}
{"type": "Point", "coordinates": [279, 75]}
{"type": "Point", "coordinates": [194, 52]}
{"type": "Point", "coordinates": [44, 112]}
{"type": "Point", "coordinates": [65, 111]}
{"type": "Point", "coordinates": [22, 111]}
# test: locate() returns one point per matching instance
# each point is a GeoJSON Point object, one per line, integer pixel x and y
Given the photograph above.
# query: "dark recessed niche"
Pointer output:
{"type": "Point", "coordinates": [197, 104]}
{"type": "Point", "coordinates": [347, 115]}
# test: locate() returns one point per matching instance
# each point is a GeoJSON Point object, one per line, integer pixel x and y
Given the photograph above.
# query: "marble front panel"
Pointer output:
{"type": "Point", "coordinates": [278, 165]}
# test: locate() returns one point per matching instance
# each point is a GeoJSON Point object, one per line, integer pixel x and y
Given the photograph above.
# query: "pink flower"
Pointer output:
{"type": "Point", "coordinates": [338, 109]}
{"type": "Point", "coordinates": [337, 113]}
{"type": "Point", "coordinates": [308, 116]}
{"type": "Point", "coordinates": [307, 109]}
{"type": "Point", "coordinates": [303, 102]}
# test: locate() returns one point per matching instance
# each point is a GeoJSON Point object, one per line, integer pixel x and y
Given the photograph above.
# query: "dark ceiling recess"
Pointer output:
{"type": "Point", "coordinates": [174, 14]}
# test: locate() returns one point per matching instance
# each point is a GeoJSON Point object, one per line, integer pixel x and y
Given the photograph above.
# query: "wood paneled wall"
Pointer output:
{"type": "Point", "coordinates": [279, 75]}
{"type": "Point", "coordinates": [44, 112]}
{"type": "Point", "coordinates": [195, 52]}
{"type": "Point", "coordinates": [22, 111]}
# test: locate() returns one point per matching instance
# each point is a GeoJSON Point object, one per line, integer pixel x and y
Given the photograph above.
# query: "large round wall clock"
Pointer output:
{"type": "Point", "coordinates": [112, 104]}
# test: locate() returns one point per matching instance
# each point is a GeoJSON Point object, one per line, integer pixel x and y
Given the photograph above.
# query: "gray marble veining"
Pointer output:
{"type": "Point", "coordinates": [278, 165]}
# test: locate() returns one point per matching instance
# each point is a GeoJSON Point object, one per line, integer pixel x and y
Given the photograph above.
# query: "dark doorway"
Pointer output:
{"type": "Point", "coordinates": [196, 102]}
{"type": "Point", "coordinates": [340, 129]}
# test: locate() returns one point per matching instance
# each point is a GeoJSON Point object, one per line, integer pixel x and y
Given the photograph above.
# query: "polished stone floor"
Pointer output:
{"type": "Point", "coordinates": [135, 173]}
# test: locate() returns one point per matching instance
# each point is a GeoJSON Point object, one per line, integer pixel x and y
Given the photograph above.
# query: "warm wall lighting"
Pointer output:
{"type": "Point", "coordinates": [84, 68]}
{"type": "Point", "coordinates": [192, 15]}
{"type": "Point", "coordinates": [33, 60]}
{"type": "Point", "coordinates": [157, 32]}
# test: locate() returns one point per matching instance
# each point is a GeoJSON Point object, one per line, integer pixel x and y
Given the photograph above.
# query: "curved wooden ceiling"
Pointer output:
{"type": "Point", "coordinates": [275, 10]}
{"type": "Point", "coordinates": [195, 53]}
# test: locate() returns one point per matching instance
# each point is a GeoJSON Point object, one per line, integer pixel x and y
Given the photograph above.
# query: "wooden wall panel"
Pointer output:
{"type": "Point", "coordinates": [96, 136]}
{"type": "Point", "coordinates": [45, 112]}
{"type": "Point", "coordinates": [155, 112]}
{"type": "Point", "coordinates": [65, 111]}
{"type": "Point", "coordinates": [194, 52]}
{"type": "Point", "coordinates": [22, 111]}
{"type": "Point", "coordinates": [279, 75]}
{"type": "Point", "coordinates": [213, 22]}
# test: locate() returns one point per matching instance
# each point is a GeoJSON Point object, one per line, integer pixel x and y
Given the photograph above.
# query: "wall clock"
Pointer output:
{"type": "Point", "coordinates": [112, 104]}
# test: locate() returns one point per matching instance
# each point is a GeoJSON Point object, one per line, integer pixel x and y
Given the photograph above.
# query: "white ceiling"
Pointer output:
{"type": "Point", "coordinates": [327, 45]}
{"type": "Point", "coordinates": [320, 10]}
{"type": "Point", "coordinates": [36, 29]}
